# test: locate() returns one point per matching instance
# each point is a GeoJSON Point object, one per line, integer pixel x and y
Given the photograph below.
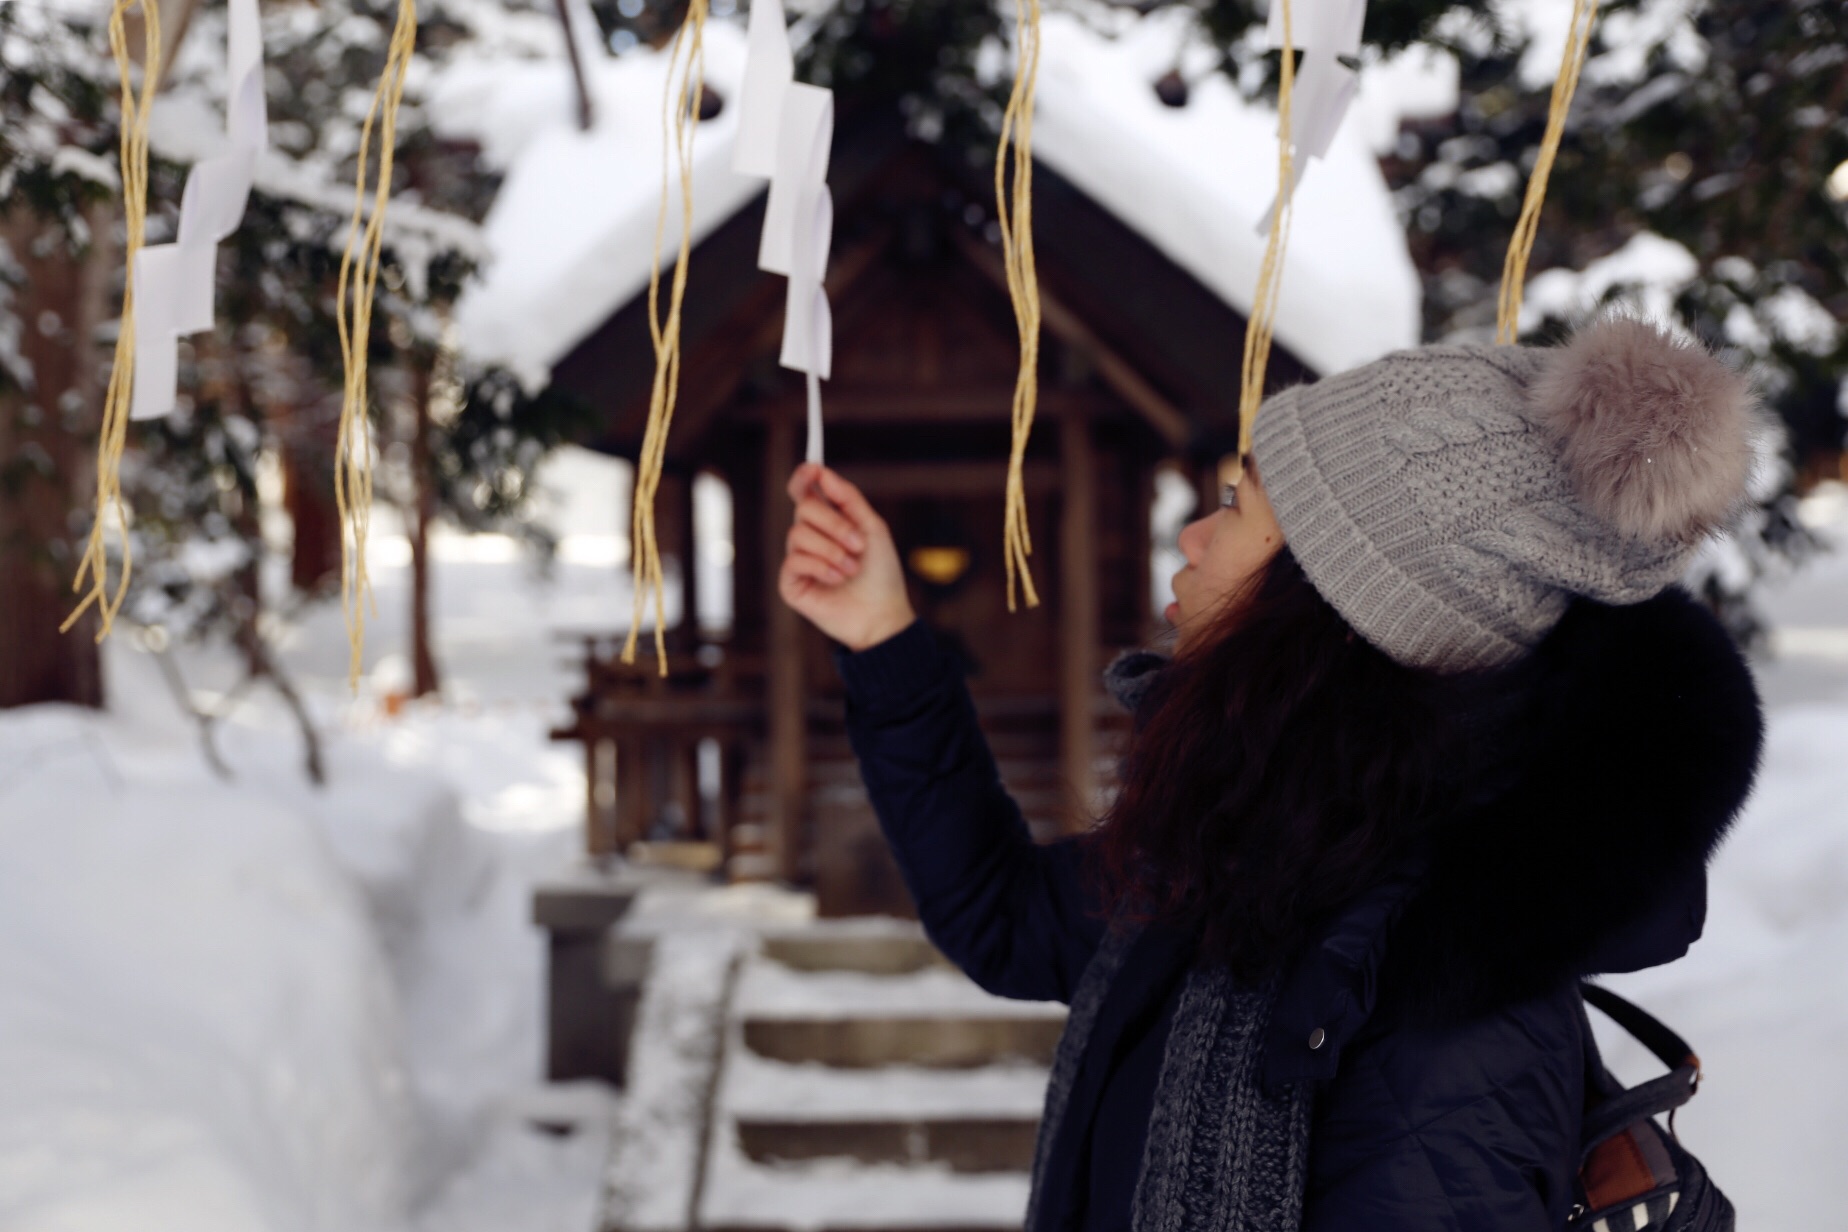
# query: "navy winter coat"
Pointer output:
{"type": "Point", "coordinates": [1439, 1014]}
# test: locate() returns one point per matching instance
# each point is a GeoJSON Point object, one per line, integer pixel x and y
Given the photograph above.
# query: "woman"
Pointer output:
{"type": "Point", "coordinates": [1439, 737]}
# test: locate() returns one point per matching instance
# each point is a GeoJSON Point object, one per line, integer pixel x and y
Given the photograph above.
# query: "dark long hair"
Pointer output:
{"type": "Point", "coordinates": [1282, 765]}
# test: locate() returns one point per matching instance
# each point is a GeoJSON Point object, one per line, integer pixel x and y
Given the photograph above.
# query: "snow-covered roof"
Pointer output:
{"type": "Point", "coordinates": [572, 231]}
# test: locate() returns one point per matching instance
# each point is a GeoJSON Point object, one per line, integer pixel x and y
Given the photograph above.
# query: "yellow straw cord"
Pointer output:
{"type": "Point", "coordinates": [112, 438]}
{"type": "Point", "coordinates": [1016, 219]}
{"type": "Point", "coordinates": [686, 82]}
{"type": "Point", "coordinates": [1521, 246]}
{"type": "Point", "coordinates": [365, 238]}
{"type": "Point", "coordinates": [1263, 320]}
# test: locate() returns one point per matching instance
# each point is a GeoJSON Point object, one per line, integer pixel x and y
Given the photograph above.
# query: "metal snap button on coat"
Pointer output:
{"type": "Point", "coordinates": [1317, 1038]}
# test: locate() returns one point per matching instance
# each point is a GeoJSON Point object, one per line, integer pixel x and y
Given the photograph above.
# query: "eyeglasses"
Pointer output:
{"type": "Point", "coordinates": [1228, 488]}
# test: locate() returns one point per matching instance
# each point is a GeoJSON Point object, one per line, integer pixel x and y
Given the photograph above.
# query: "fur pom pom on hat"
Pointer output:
{"type": "Point", "coordinates": [1449, 501]}
{"type": "Point", "coordinates": [1654, 432]}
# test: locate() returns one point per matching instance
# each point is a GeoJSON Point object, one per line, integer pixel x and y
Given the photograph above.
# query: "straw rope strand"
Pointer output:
{"type": "Point", "coordinates": [1259, 328]}
{"type": "Point", "coordinates": [112, 438]}
{"type": "Point", "coordinates": [1014, 212]}
{"type": "Point", "coordinates": [365, 240]}
{"type": "Point", "coordinates": [686, 82]}
{"type": "Point", "coordinates": [1527, 227]}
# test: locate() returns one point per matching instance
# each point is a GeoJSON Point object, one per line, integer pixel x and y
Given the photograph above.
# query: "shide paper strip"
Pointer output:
{"type": "Point", "coordinates": [1325, 32]}
{"type": "Point", "coordinates": [769, 70]}
{"type": "Point", "coordinates": [808, 331]}
{"type": "Point", "coordinates": [173, 282]}
{"type": "Point", "coordinates": [786, 134]}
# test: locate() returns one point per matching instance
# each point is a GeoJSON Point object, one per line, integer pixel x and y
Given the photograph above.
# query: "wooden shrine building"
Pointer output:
{"type": "Point", "coordinates": [1139, 364]}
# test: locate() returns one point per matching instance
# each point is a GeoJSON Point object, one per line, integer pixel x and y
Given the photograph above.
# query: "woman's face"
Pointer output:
{"type": "Point", "coordinates": [1224, 550]}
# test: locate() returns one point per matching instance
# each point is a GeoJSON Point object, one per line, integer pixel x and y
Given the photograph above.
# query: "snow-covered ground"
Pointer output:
{"type": "Point", "coordinates": [261, 1006]}
{"type": "Point", "coordinates": [258, 1006]}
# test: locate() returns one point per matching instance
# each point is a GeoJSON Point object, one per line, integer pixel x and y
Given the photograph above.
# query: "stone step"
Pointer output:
{"type": "Point", "coordinates": [964, 1144]}
{"type": "Point", "coordinates": [743, 1196]}
{"type": "Point", "coordinates": [867, 1042]}
{"type": "Point", "coordinates": [972, 1120]}
{"type": "Point", "coordinates": [873, 947]}
{"type": "Point", "coordinates": [933, 1016]}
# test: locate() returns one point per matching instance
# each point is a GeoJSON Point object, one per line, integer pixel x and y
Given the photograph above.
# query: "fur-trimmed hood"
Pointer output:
{"type": "Point", "coordinates": [1639, 746]}
{"type": "Point", "coordinates": [1634, 738]}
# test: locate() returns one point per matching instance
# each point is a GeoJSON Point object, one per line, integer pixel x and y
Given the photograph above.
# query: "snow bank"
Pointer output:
{"type": "Point", "coordinates": [199, 1028]}
{"type": "Point", "coordinates": [572, 230]}
{"type": "Point", "coordinates": [256, 1005]}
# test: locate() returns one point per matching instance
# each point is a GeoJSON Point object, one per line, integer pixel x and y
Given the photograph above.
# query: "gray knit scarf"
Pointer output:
{"type": "Point", "coordinates": [1221, 1155]}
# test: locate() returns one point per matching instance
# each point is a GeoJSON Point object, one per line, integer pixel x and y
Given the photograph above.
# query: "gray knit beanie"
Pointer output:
{"type": "Point", "coordinates": [1449, 501]}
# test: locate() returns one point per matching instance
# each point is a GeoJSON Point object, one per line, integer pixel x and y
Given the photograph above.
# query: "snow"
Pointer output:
{"type": "Point", "coordinates": [841, 1194]}
{"type": "Point", "coordinates": [673, 1063]}
{"type": "Point", "coordinates": [254, 1005]}
{"type": "Point", "coordinates": [572, 231]}
{"type": "Point", "coordinates": [1648, 270]}
{"type": "Point", "coordinates": [259, 1006]}
{"type": "Point", "coordinates": [740, 1192]}
{"type": "Point", "coordinates": [770, 990]}
{"type": "Point", "coordinates": [785, 1091]}
{"type": "Point", "coordinates": [1196, 181]}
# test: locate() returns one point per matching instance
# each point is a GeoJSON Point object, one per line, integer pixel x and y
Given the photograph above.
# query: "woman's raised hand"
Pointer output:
{"type": "Point", "coordinates": [842, 569]}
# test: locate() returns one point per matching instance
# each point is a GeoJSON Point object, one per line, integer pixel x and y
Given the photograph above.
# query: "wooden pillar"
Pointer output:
{"type": "Point", "coordinates": [684, 771]}
{"type": "Point", "coordinates": [674, 532]}
{"type": "Point", "coordinates": [787, 718]}
{"type": "Point", "coordinates": [634, 807]}
{"type": "Point", "coordinates": [1078, 615]}
{"type": "Point", "coordinates": [750, 612]}
{"type": "Point", "coordinates": [602, 837]}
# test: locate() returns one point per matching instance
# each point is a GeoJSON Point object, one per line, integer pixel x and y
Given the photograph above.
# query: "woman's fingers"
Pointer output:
{"type": "Point", "coordinates": [802, 479]}
{"type": "Point", "coordinates": [830, 522]}
{"type": "Point", "coordinates": [813, 481]}
{"type": "Point", "coordinates": [806, 540]}
{"type": "Point", "coordinates": [801, 565]}
{"type": "Point", "coordinates": [847, 499]}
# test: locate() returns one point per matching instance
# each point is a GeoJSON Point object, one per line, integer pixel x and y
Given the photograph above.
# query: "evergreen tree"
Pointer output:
{"type": "Point", "coordinates": [1713, 124]}
{"type": "Point", "coordinates": [455, 442]}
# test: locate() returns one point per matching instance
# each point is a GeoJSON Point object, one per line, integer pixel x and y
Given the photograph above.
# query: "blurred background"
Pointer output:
{"type": "Point", "coordinates": [517, 936]}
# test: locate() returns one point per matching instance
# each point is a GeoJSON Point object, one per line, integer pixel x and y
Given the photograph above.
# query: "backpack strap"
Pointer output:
{"type": "Point", "coordinates": [1624, 1108]}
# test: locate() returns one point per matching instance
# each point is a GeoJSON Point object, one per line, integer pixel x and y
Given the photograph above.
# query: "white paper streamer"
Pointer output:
{"type": "Point", "coordinates": [1332, 26]}
{"type": "Point", "coordinates": [1324, 31]}
{"type": "Point", "coordinates": [173, 282]}
{"type": "Point", "coordinates": [786, 133]}
{"type": "Point", "coordinates": [769, 68]}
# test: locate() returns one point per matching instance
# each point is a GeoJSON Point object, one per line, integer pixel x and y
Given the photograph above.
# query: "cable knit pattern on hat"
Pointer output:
{"type": "Point", "coordinates": [1449, 501]}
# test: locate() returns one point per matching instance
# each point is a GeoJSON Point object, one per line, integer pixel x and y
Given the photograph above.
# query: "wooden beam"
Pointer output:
{"type": "Point", "coordinates": [910, 405]}
{"type": "Point", "coordinates": [787, 718]}
{"type": "Point", "coordinates": [950, 479]}
{"type": "Point", "coordinates": [1078, 617]}
{"type": "Point", "coordinates": [1168, 421]}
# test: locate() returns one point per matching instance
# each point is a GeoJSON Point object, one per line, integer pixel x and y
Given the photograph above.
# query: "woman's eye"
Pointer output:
{"type": "Point", "coordinates": [1228, 496]}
